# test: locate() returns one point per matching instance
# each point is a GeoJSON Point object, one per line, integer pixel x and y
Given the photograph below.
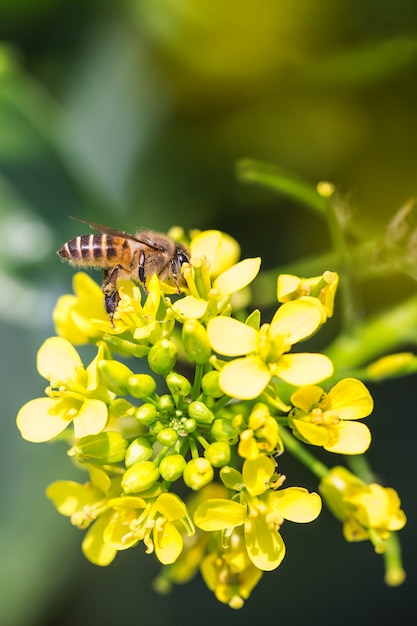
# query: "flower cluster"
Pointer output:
{"type": "Point", "coordinates": [192, 391]}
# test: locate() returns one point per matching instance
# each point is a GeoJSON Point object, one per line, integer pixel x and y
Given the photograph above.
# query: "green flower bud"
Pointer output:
{"type": "Point", "coordinates": [114, 375]}
{"type": "Point", "coordinates": [172, 466]}
{"type": "Point", "coordinates": [155, 428]}
{"type": "Point", "coordinates": [162, 357]}
{"type": "Point", "coordinates": [200, 412]}
{"type": "Point", "coordinates": [146, 414]}
{"type": "Point", "coordinates": [198, 473]}
{"type": "Point", "coordinates": [189, 425]}
{"type": "Point", "coordinates": [140, 477]}
{"type": "Point", "coordinates": [196, 343]}
{"type": "Point", "coordinates": [141, 385]}
{"type": "Point", "coordinates": [222, 430]}
{"type": "Point", "coordinates": [139, 450]}
{"type": "Point", "coordinates": [167, 436]}
{"type": "Point", "coordinates": [210, 384]}
{"type": "Point", "coordinates": [166, 404]}
{"type": "Point", "coordinates": [218, 453]}
{"type": "Point", "coordinates": [105, 447]}
{"type": "Point", "coordinates": [178, 384]}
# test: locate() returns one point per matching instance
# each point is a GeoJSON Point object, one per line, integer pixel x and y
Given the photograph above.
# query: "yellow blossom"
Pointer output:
{"type": "Point", "coordinates": [261, 435]}
{"type": "Point", "coordinates": [153, 521]}
{"type": "Point", "coordinates": [229, 572]}
{"type": "Point", "coordinates": [367, 511]}
{"type": "Point", "coordinates": [261, 510]}
{"type": "Point", "coordinates": [88, 507]}
{"type": "Point", "coordinates": [73, 313]}
{"type": "Point", "coordinates": [266, 350]}
{"type": "Point", "coordinates": [319, 289]}
{"type": "Point", "coordinates": [325, 419]}
{"type": "Point", "coordinates": [74, 395]}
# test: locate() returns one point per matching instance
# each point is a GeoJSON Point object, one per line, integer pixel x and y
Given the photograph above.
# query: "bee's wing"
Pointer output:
{"type": "Point", "coordinates": [109, 231]}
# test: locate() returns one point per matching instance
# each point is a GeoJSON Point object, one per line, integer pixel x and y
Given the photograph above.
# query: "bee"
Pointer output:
{"type": "Point", "coordinates": [123, 256]}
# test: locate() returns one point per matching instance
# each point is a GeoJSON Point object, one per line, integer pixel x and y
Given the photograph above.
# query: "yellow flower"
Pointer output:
{"type": "Point", "coordinates": [88, 507]}
{"type": "Point", "coordinates": [266, 350]}
{"type": "Point", "coordinates": [187, 564]}
{"type": "Point", "coordinates": [321, 289]}
{"type": "Point", "coordinates": [229, 572]}
{"type": "Point", "coordinates": [261, 435]}
{"type": "Point", "coordinates": [74, 395]}
{"type": "Point", "coordinates": [367, 511]}
{"type": "Point", "coordinates": [213, 276]}
{"type": "Point", "coordinates": [153, 521]}
{"type": "Point", "coordinates": [73, 314]}
{"type": "Point", "coordinates": [261, 510]}
{"type": "Point", "coordinates": [324, 419]}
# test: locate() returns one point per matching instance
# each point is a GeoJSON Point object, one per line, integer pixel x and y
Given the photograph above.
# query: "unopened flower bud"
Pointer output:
{"type": "Point", "coordinates": [139, 450]}
{"type": "Point", "coordinates": [200, 412]}
{"type": "Point", "coordinates": [141, 385]}
{"type": "Point", "coordinates": [210, 384]}
{"type": "Point", "coordinates": [167, 436]}
{"type": "Point", "coordinates": [162, 357]}
{"type": "Point", "coordinates": [178, 384]}
{"type": "Point", "coordinates": [218, 453]}
{"type": "Point", "coordinates": [172, 466]}
{"type": "Point", "coordinates": [196, 343]}
{"type": "Point", "coordinates": [105, 447]}
{"type": "Point", "coordinates": [189, 425]}
{"type": "Point", "coordinates": [198, 473]}
{"type": "Point", "coordinates": [146, 414]}
{"type": "Point", "coordinates": [140, 477]}
{"type": "Point", "coordinates": [114, 375]}
{"type": "Point", "coordinates": [166, 403]}
{"type": "Point", "coordinates": [222, 430]}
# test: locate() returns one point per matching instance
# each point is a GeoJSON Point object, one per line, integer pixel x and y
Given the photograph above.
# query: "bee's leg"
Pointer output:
{"type": "Point", "coordinates": [174, 273]}
{"type": "Point", "coordinates": [111, 295]}
{"type": "Point", "coordinates": [141, 269]}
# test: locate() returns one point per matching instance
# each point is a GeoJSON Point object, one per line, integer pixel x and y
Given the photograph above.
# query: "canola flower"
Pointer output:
{"type": "Point", "coordinates": [146, 433]}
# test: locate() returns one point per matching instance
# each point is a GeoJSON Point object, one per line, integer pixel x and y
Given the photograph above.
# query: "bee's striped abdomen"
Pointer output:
{"type": "Point", "coordinates": [96, 250]}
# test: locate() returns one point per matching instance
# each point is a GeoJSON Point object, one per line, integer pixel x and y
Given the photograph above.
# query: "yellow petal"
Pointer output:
{"type": "Point", "coordinates": [218, 514]}
{"type": "Point", "coordinates": [238, 276]}
{"type": "Point", "coordinates": [41, 420]}
{"type": "Point", "coordinates": [230, 337]}
{"type": "Point", "coordinates": [349, 438]}
{"type": "Point", "coordinates": [219, 248]}
{"type": "Point", "coordinates": [58, 358]}
{"type": "Point", "coordinates": [304, 368]}
{"type": "Point", "coordinates": [295, 504]}
{"type": "Point", "coordinates": [265, 547]}
{"type": "Point", "coordinates": [69, 496]}
{"type": "Point", "coordinates": [190, 307]}
{"type": "Point", "coordinates": [313, 433]}
{"type": "Point", "coordinates": [168, 542]}
{"type": "Point", "coordinates": [93, 545]}
{"type": "Point", "coordinates": [244, 378]}
{"type": "Point", "coordinates": [257, 473]}
{"type": "Point", "coordinates": [287, 284]}
{"type": "Point", "coordinates": [171, 506]}
{"type": "Point", "coordinates": [351, 399]}
{"type": "Point", "coordinates": [91, 418]}
{"type": "Point", "coordinates": [296, 320]}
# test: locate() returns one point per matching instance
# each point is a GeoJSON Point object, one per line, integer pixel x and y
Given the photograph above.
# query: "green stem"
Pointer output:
{"type": "Point", "coordinates": [358, 464]}
{"type": "Point", "coordinates": [298, 450]}
{"type": "Point", "coordinates": [394, 572]}
{"type": "Point", "coordinates": [198, 375]}
{"type": "Point", "coordinates": [374, 338]}
{"type": "Point", "coordinates": [283, 182]}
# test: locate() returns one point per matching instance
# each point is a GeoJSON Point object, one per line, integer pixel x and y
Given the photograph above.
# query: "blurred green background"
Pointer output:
{"type": "Point", "coordinates": [134, 113]}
